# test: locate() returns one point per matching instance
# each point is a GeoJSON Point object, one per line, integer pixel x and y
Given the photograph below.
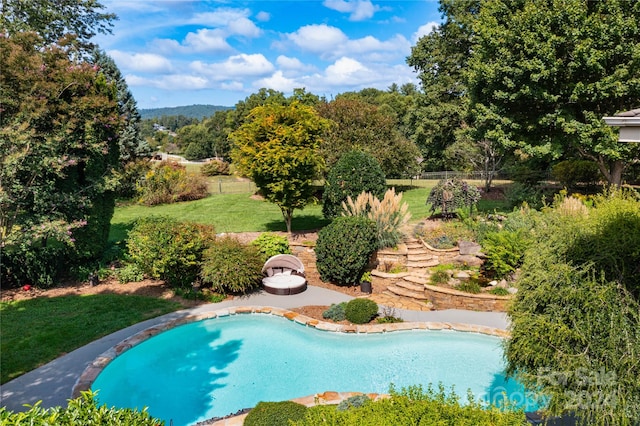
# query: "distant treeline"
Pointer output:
{"type": "Point", "coordinates": [191, 111]}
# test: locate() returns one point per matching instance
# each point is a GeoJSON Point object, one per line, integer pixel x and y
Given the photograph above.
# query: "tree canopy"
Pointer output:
{"type": "Point", "coordinates": [543, 74]}
{"type": "Point", "coordinates": [54, 19]}
{"type": "Point", "coordinates": [58, 150]}
{"type": "Point", "coordinates": [278, 148]}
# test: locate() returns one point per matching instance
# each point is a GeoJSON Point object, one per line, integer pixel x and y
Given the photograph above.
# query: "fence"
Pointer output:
{"type": "Point", "coordinates": [219, 186]}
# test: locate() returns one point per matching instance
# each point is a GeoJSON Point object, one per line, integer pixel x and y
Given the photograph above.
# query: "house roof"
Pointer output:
{"type": "Point", "coordinates": [632, 113]}
{"type": "Point", "coordinates": [624, 119]}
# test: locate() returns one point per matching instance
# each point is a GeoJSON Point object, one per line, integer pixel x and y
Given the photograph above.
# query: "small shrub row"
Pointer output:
{"type": "Point", "coordinates": [80, 411]}
{"type": "Point", "coordinates": [183, 253]}
{"type": "Point", "coordinates": [412, 406]}
{"type": "Point", "coordinates": [357, 311]}
{"type": "Point", "coordinates": [275, 414]}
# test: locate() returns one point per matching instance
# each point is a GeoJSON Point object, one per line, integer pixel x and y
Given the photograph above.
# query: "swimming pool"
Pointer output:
{"type": "Point", "coordinates": [218, 366]}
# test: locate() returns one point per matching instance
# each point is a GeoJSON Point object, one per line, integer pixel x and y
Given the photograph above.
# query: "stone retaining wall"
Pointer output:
{"type": "Point", "coordinates": [446, 298]}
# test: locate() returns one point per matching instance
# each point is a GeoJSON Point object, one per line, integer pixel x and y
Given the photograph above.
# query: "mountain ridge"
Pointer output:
{"type": "Point", "coordinates": [198, 111]}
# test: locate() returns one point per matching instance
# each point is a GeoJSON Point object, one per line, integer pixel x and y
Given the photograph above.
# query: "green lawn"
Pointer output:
{"type": "Point", "coordinates": [36, 331]}
{"type": "Point", "coordinates": [239, 212]}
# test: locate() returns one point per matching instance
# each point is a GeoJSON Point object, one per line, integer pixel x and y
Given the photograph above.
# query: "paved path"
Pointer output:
{"type": "Point", "coordinates": [53, 383]}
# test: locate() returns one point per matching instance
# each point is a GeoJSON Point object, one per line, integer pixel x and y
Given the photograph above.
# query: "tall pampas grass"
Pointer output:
{"type": "Point", "coordinates": [389, 214]}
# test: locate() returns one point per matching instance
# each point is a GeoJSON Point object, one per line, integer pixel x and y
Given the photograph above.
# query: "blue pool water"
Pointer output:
{"type": "Point", "coordinates": [216, 367]}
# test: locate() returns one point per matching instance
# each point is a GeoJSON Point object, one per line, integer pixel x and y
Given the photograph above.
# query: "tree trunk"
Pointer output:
{"type": "Point", "coordinates": [612, 171]}
{"type": "Point", "coordinates": [288, 215]}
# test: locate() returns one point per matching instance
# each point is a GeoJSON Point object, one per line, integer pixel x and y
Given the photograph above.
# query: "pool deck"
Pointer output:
{"type": "Point", "coordinates": [54, 382]}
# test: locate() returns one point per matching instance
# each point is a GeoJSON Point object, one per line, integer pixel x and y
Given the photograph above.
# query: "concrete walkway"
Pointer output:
{"type": "Point", "coordinates": [53, 383]}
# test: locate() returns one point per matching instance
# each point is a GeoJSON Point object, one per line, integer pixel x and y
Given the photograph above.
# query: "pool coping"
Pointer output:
{"type": "Point", "coordinates": [91, 372]}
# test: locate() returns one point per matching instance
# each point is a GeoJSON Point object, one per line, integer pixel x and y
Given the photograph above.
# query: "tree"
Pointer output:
{"type": "Point", "coordinates": [354, 173]}
{"type": "Point", "coordinates": [363, 126]}
{"type": "Point", "coordinates": [53, 19]}
{"type": "Point", "coordinates": [440, 58]}
{"type": "Point", "coordinates": [278, 149]}
{"type": "Point", "coordinates": [543, 74]}
{"type": "Point", "coordinates": [575, 320]}
{"type": "Point", "coordinates": [58, 153]}
{"type": "Point", "coordinates": [132, 145]}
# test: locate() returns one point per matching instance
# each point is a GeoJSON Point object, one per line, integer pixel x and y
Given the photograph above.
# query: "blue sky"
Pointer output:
{"type": "Point", "coordinates": [176, 53]}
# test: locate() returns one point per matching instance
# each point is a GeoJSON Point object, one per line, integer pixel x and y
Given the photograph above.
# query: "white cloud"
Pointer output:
{"type": "Point", "coordinates": [277, 82]}
{"type": "Point", "coordinates": [330, 42]}
{"type": "Point", "coordinates": [318, 38]}
{"type": "Point", "coordinates": [346, 71]}
{"type": "Point", "coordinates": [263, 16]}
{"type": "Point", "coordinates": [292, 64]}
{"type": "Point", "coordinates": [359, 9]}
{"type": "Point", "coordinates": [236, 66]}
{"type": "Point", "coordinates": [243, 27]}
{"type": "Point", "coordinates": [141, 62]}
{"type": "Point", "coordinates": [220, 17]}
{"type": "Point", "coordinates": [170, 82]}
{"type": "Point", "coordinates": [424, 30]}
{"type": "Point", "coordinates": [205, 40]}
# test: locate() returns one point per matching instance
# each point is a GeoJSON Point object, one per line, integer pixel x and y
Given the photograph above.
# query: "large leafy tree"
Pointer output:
{"type": "Point", "coordinates": [278, 148]}
{"type": "Point", "coordinates": [365, 127]}
{"type": "Point", "coordinates": [53, 19]}
{"type": "Point", "coordinates": [543, 74]}
{"type": "Point", "coordinates": [132, 145]}
{"type": "Point", "coordinates": [58, 149]}
{"type": "Point", "coordinates": [440, 59]}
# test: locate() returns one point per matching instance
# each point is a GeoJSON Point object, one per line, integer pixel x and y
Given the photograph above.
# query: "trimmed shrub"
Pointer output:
{"type": "Point", "coordinates": [215, 168]}
{"type": "Point", "coordinates": [168, 183]}
{"type": "Point", "coordinates": [270, 244]}
{"type": "Point", "coordinates": [166, 249]}
{"type": "Point", "coordinates": [335, 312]}
{"type": "Point", "coordinates": [360, 311]}
{"type": "Point", "coordinates": [344, 248]}
{"type": "Point", "coordinates": [504, 252]}
{"type": "Point", "coordinates": [390, 214]}
{"type": "Point", "coordinates": [572, 172]}
{"type": "Point", "coordinates": [275, 414]}
{"type": "Point", "coordinates": [231, 266]}
{"type": "Point", "coordinates": [354, 173]}
{"type": "Point", "coordinates": [518, 194]}
{"type": "Point", "coordinates": [450, 195]}
{"type": "Point", "coordinates": [80, 411]}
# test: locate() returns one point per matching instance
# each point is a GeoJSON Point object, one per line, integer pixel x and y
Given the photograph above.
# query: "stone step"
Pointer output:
{"type": "Point", "coordinates": [409, 285]}
{"type": "Point", "coordinates": [417, 279]}
{"type": "Point", "coordinates": [399, 291]}
{"type": "Point", "coordinates": [423, 264]}
{"type": "Point", "coordinates": [419, 257]}
{"type": "Point", "coordinates": [415, 245]}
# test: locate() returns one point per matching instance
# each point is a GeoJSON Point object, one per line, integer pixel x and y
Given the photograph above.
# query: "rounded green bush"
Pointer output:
{"type": "Point", "coordinates": [355, 401]}
{"type": "Point", "coordinates": [270, 244]}
{"type": "Point", "coordinates": [354, 173]}
{"type": "Point", "coordinates": [230, 266]}
{"type": "Point", "coordinates": [169, 250]}
{"type": "Point", "coordinates": [275, 413]}
{"type": "Point", "coordinates": [343, 249]}
{"type": "Point", "coordinates": [361, 311]}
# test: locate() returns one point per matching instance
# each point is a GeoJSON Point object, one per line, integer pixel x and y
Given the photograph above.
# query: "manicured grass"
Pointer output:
{"type": "Point", "coordinates": [239, 212]}
{"type": "Point", "coordinates": [36, 331]}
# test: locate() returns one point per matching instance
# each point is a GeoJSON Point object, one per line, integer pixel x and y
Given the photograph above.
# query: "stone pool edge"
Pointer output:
{"type": "Point", "coordinates": [92, 371]}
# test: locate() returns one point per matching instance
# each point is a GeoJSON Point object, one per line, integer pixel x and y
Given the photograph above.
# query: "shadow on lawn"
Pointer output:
{"type": "Point", "coordinates": [298, 223]}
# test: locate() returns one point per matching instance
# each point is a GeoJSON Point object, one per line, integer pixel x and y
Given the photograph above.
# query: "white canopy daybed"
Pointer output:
{"type": "Point", "coordinates": [284, 275]}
